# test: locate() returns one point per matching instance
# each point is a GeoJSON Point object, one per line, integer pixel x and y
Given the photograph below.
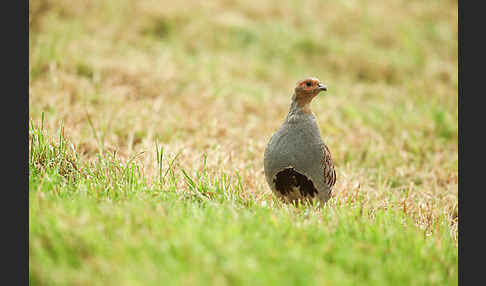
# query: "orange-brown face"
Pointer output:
{"type": "Point", "coordinates": [307, 89]}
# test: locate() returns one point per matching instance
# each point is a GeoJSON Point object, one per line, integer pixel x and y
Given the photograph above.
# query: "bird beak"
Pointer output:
{"type": "Point", "coordinates": [322, 87]}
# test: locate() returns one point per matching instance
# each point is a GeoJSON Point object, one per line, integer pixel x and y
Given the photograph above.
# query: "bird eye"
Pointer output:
{"type": "Point", "coordinates": [308, 83]}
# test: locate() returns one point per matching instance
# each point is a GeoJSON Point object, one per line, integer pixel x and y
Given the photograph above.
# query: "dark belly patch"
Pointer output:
{"type": "Point", "coordinates": [288, 179]}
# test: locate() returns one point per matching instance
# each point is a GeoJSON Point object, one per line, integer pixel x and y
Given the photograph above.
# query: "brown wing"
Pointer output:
{"type": "Point", "coordinates": [329, 172]}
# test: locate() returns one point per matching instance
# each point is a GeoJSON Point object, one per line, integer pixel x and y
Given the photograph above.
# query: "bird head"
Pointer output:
{"type": "Point", "coordinates": [307, 89]}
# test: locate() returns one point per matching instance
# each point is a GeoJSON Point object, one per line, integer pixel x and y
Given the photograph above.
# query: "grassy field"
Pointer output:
{"type": "Point", "coordinates": [149, 119]}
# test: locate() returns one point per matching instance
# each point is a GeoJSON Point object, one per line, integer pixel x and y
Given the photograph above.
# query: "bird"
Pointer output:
{"type": "Point", "coordinates": [298, 165]}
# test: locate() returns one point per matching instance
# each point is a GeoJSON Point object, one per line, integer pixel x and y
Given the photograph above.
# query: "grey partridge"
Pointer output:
{"type": "Point", "coordinates": [298, 165]}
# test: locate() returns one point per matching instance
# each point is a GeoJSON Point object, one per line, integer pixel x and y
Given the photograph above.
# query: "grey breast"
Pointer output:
{"type": "Point", "coordinates": [298, 144]}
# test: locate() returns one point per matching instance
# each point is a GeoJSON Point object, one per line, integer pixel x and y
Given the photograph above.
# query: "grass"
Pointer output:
{"type": "Point", "coordinates": [148, 126]}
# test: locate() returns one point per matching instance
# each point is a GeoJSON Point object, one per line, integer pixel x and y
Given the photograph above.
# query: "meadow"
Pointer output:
{"type": "Point", "coordinates": [148, 121]}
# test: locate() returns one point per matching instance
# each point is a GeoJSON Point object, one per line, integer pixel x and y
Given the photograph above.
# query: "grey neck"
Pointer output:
{"type": "Point", "coordinates": [296, 112]}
